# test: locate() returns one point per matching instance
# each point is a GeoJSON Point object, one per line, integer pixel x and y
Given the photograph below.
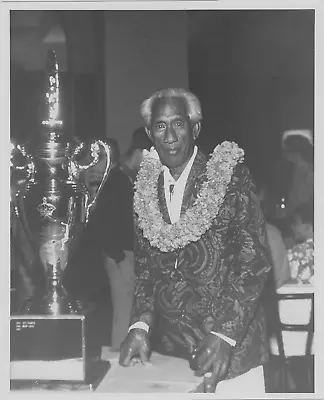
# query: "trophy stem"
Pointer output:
{"type": "Point", "coordinates": [54, 276]}
{"type": "Point", "coordinates": [56, 300]}
{"type": "Point", "coordinates": [55, 290]}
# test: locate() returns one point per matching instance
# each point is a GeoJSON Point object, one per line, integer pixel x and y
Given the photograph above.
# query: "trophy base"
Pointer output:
{"type": "Point", "coordinates": [97, 370]}
{"type": "Point", "coordinates": [41, 306]}
{"type": "Point", "coordinates": [54, 353]}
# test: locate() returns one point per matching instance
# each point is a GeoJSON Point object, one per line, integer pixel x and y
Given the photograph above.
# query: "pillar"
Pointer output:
{"type": "Point", "coordinates": [144, 51]}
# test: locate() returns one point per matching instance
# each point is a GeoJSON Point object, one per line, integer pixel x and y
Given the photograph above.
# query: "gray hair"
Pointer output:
{"type": "Point", "coordinates": [192, 103]}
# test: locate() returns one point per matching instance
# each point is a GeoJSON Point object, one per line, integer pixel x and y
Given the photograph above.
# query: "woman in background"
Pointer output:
{"type": "Point", "coordinates": [301, 255]}
{"type": "Point", "coordinates": [298, 151]}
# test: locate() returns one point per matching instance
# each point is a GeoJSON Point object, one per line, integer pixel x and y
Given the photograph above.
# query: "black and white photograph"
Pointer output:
{"type": "Point", "coordinates": [161, 221]}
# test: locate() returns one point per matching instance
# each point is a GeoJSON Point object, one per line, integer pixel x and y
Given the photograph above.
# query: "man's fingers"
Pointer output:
{"type": "Point", "coordinates": [223, 369]}
{"type": "Point", "coordinates": [205, 363]}
{"type": "Point", "coordinates": [217, 369]}
{"type": "Point", "coordinates": [200, 345]}
{"type": "Point", "coordinates": [144, 354]}
{"type": "Point", "coordinates": [202, 354]}
{"type": "Point", "coordinates": [134, 361]}
{"type": "Point", "coordinates": [212, 378]}
{"type": "Point", "coordinates": [125, 356]}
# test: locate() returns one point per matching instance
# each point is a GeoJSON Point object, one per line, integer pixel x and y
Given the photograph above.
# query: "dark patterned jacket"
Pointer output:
{"type": "Point", "coordinates": [218, 281]}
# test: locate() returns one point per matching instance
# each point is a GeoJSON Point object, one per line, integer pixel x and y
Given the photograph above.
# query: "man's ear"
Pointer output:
{"type": "Point", "coordinates": [148, 132]}
{"type": "Point", "coordinates": [196, 130]}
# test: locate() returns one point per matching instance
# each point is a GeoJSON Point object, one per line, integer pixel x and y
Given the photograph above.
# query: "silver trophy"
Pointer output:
{"type": "Point", "coordinates": [53, 207]}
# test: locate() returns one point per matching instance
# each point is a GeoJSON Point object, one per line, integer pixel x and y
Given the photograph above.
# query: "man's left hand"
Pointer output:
{"type": "Point", "coordinates": [212, 356]}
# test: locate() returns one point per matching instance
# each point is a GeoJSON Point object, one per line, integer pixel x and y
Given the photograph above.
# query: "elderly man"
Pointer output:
{"type": "Point", "coordinates": [201, 252]}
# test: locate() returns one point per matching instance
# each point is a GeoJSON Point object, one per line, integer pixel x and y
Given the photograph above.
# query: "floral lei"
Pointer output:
{"type": "Point", "coordinates": [198, 218]}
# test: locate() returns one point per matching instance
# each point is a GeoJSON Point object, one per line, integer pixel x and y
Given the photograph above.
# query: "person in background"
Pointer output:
{"type": "Point", "coordinates": [134, 155]}
{"type": "Point", "coordinates": [301, 255]}
{"type": "Point", "coordinates": [110, 231]}
{"type": "Point", "coordinates": [201, 253]}
{"type": "Point", "coordinates": [281, 270]}
{"type": "Point", "coordinates": [298, 151]}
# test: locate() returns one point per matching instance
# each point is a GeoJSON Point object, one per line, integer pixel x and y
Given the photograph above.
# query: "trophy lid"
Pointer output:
{"type": "Point", "coordinates": [52, 96]}
{"type": "Point", "coordinates": [50, 142]}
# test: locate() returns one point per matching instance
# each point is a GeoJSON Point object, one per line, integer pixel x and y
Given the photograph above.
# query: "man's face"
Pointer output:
{"type": "Point", "coordinates": [291, 156]}
{"type": "Point", "coordinates": [172, 132]}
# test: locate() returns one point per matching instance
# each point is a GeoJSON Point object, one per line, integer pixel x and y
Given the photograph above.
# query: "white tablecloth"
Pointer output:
{"type": "Point", "coordinates": [173, 375]}
{"type": "Point", "coordinates": [165, 375]}
{"type": "Point", "coordinates": [296, 288]}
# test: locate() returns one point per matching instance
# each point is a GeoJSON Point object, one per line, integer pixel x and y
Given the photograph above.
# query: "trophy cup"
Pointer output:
{"type": "Point", "coordinates": [48, 338]}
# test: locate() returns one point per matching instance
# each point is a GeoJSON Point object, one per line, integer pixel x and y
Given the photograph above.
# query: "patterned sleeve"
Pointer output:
{"type": "Point", "coordinates": [143, 303]}
{"type": "Point", "coordinates": [248, 258]}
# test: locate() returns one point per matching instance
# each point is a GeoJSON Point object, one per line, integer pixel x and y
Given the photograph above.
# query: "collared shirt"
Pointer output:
{"type": "Point", "coordinates": [174, 189]}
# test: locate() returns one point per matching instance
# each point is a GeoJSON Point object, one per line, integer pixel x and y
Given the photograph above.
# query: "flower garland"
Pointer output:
{"type": "Point", "coordinates": [301, 261]}
{"type": "Point", "coordinates": [198, 218]}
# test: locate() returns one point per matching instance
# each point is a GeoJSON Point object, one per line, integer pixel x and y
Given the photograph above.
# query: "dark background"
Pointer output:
{"type": "Point", "coordinates": [253, 71]}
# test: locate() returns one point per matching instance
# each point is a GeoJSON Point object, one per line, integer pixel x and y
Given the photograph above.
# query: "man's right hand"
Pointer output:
{"type": "Point", "coordinates": [136, 344]}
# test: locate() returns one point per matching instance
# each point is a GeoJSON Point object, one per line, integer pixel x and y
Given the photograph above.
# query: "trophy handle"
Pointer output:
{"type": "Point", "coordinates": [76, 168]}
{"type": "Point", "coordinates": [28, 167]}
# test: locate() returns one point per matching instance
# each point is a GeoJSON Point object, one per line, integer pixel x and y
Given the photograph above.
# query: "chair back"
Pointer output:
{"type": "Point", "coordinates": [291, 334]}
{"type": "Point", "coordinates": [296, 314]}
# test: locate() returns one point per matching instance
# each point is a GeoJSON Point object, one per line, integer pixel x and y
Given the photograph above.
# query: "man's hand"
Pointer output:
{"type": "Point", "coordinates": [136, 344]}
{"type": "Point", "coordinates": [212, 356]}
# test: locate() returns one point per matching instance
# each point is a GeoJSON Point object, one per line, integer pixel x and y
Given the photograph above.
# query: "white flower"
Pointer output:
{"type": "Point", "coordinates": [305, 274]}
{"type": "Point", "coordinates": [290, 255]}
{"type": "Point", "coordinates": [309, 253]}
{"type": "Point", "coordinates": [198, 218]}
{"type": "Point", "coordinates": [145, 153]}
{"type": "Point", "coordinates": [294, 265]}
{"type": "Point", "coordinates": [153, 154]}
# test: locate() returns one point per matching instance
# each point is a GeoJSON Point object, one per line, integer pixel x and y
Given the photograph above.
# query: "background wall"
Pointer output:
{"type": "Point", "coordinates": [144, 51]}
{"type": "Point", "coordinates": [77, 37]}
{"type": "Point", "coordinates": [111, 61]}
{"type": "Point", "coordinates": [254, 72]}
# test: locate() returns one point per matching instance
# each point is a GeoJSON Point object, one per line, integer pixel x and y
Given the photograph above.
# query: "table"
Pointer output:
{"type": "Point", "coordinates": [165, 375]}
{"type": "Point", "coordinates": [291, 287]}
{"type": "Point", "coordinates": [168, 374]}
